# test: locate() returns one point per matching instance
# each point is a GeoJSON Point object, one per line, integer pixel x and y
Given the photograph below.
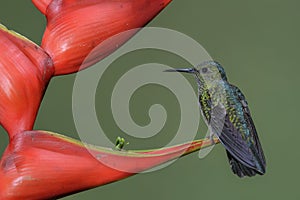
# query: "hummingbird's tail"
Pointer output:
{"type": "Point", "coordinates": [240, 169]}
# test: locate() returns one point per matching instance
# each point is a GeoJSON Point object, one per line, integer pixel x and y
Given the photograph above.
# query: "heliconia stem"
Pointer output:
{"type": "Point", "coordinates": [45, 165]}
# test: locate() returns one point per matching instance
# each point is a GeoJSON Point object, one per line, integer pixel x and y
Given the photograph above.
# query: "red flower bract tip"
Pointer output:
{"type": "Point", "coordinates": [42, 5]}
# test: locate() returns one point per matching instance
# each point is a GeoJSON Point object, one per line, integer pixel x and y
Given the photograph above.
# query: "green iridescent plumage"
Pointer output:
{"type": "Point", "coordinates": [226, 113]}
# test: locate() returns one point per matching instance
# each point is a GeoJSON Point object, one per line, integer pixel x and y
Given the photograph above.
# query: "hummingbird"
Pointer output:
{"type": "Point", "coordinates": [227, 115]}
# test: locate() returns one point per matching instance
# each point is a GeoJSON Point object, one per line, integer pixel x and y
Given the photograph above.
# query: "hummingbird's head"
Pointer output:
{"type": "Point", "coordinates": [206, 72]}
{"type": "Point", "coordinates": [211, 70]}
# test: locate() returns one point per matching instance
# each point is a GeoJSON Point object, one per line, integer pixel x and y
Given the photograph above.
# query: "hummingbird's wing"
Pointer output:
{"type": "Point", "coordinates": [250, 125]}
{"type": "Point", "coordinates": [230, 137]}
{"type": "Point", "coordinates": [244, 148]}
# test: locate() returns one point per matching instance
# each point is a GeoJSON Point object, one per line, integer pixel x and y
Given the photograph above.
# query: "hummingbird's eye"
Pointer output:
{"type": "Point", "coordinates": [204, 70]}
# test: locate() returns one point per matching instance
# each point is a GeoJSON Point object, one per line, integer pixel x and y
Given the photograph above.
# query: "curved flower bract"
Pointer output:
{"type": "Point", "coordinates": [25, 70]}
{"type": "Point", "coordinates": [75, 27]}
{"type": "Point", "coordinates": [45, 165]}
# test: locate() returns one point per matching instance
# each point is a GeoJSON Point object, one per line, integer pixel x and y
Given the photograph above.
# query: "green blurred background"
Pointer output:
{"type": "Point", "coordinates": [258, 44]}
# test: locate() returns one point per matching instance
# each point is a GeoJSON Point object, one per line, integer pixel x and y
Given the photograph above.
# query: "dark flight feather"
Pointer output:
{"type": "Point", "coordinates": [245, 158]}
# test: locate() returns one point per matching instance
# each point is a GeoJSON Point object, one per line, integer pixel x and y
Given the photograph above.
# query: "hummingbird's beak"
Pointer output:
{"type": "Point", "coordinates": [185, 70]}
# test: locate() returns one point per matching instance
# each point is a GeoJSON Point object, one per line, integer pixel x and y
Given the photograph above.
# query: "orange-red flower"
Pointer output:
{"type": "Point", "coordinates": [44, 165]}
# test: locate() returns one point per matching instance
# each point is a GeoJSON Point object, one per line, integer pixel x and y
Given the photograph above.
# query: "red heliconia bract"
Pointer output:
{"type": "Point", "coordinates": [76, 27]}
{"type": "Point", "coordinates": [44, 165]}
{"type": "Point", "coordinates": [25, 70]}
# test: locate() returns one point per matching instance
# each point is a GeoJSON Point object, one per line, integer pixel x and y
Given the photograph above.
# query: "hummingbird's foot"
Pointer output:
{"type": "Point", "coordinates": [211, 138]}
{"type": "Point", "coordinates": [120, 143]}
